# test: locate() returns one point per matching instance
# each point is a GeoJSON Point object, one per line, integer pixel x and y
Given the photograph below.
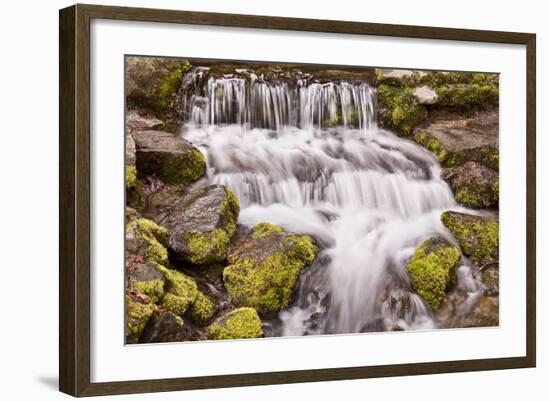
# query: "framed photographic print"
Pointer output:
{"type": "Point", "coordinates": [261, 200]}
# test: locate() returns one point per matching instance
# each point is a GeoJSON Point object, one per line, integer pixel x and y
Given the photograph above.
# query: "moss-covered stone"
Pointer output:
{"type": "Point", "coordinates": [169, 157]}
{"type": "Point", "coordinates": [202, 225]}
{"type": "Point", "coordinates": [180, 291]}
{"type": "Point", "coordinates": [477, 235]}
{"type": "Point", "coordinates": [467, 95]}
{"type": "Point", "coordinates": [266, 264]}
{"type": "Point", "coordinates": [164, 326]}
{"type": "Point", "coordinates": [401, 109]}
{"type": "Point", "coordinates": [134, 196]}
{"type": "Point", "coordinates": [433, 145]}
{"type": "Point", "coordinates": [431, 269]}
{"type": "Point", "coordinates": [240, 323]}
{"type": "Point", "coordinates": [138, 311]}
{"type": "Point", "coordinates": [202, 309]}
{"type": "Point", "coordinates": [474, 185]}
{"type": "Point", "coordinates": [264, 229]}
{"type": "Point", "coordinates": [144, 237]}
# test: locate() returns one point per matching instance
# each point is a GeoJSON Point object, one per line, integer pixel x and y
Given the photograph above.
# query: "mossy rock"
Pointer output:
{"type": "Point", "coordinates": [138, 311]}
{"type": "Point", "coordinates": [240, 323]}
{"type": "Point", "coordinates": [202, 224]}
{"type": "Point", "coordinates": [202, 310]}
{"type": "Point", "coordinates": [467, 95]}
{"type": "Point", "coordinates": [168, 156]}
{"type": "Point", "coordinates": [265, 266]}
{"type": "Point", "coordinates": [180, 291]}
{"type": "Point", "coordinates": [400, 108]}
{"type": "Point", "coordinates": [145, 277]}
{"type": "Point", "coordinates": [474, 185]}
{"type": "Point", "coordinates": [477, 235]}
{"type": "Point", "coordinates": [134, 195]}
{"type": "Point", "coordinates": [432, 269]}
{"type": "Point", "coordinates": [144, 237]}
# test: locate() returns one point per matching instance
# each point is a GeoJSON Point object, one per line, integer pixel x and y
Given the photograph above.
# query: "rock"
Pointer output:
{"type": "Point", "coordinates": [399, 77]}
{"type": "Point", "coordinates": [432, 268]}
{"type": "Point", "coordinates": [265, 265]}
{"type": "Point", "coordinates": [180, 292]}
{"type": "Point", "coordinates": [161, 198]}
{"type": "Point", "coordinates": [168, 156]}
{"type": "Point", "coordinates": [144, 277]}
{"type": "Point", "coordinates": [490, 279]}
{"type": "Point", "coordinates": [425, 95]}
{"type": "Point", "coordinates": [202, 309]}
{"type": "Point", "coordinates": [138, 311]}
{"type": "Point", "coordinates": [459, 310]}
{"type": "Point", "coordinates": [134, 196]}
{"type": "Point", "coordinates": [456, 139]}
{"type": "Point", "coordinates": [142, 120]}
{"type": "Point", "coordinates": [238, 324]}
{"type": "Point", "coordinates": [476, 235]}
{"type": "Point", "coordinates": [473, 184]}
{"type": "Point", "coordinates": [467, 95]}
{"type": "Point", "coordinates": [163, 327]}
{"type": "Point", "coordinates": [147, 239]}
{"type": "Point", "coordinates": [202, 224]}
{"type": "Point", "coordinates": [130, 151]}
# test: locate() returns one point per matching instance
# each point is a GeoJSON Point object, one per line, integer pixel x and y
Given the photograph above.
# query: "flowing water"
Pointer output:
{"type": "Point", "coordinates": [309, 157]}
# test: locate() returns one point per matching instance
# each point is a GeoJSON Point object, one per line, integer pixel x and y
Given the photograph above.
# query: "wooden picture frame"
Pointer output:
{"type": "Point", "coordinates": [74, 203]}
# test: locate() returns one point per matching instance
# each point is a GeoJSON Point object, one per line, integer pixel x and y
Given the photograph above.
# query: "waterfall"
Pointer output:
{"type": "Point", "coordinates": [309, 157]}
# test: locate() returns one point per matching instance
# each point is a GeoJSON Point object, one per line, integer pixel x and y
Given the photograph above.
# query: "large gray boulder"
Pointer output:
{"type": "Point", "coordinates": [168, 156]}
{"type": "Point", "coordinates": [202, 224]}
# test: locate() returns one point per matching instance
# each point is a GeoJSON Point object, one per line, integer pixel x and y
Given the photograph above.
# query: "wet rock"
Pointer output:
{"type": "Point", "coordinates": [432, 268]}
{"type": "Point", "coordinates": [138, 311]}
{"type": "Point", "coordinates": [144, 277]}
{"type": "Point", "coordinates": [476, 235]}
{"type": "Point", "coordinates": [180, 291]}
{"type": "Point", "coordinates": [130, 151]}
{"type": "Point", "coordinates": [462, 309]}
{"type": "Point", "coordinates": [490, 279]}
{"type": "Point", "coordinates": [399, 77]}
{"type": "Point", "coordinates": [474, 185]}
{"type": "Point", "coordinates": [456, 139]}
{"type": "Point", "coordinates": [237, 324]}
{"type": "Point", "coordinates": [265, 265]}
{"type": "Point", "coordinates": [168, 156]}
{"type": "Point", "coordinates": [202, 224]}
{"type": "Point", "coordinates": [163, 327]}
{"type": "Point", "coordinates": [425, 95]}
{"type": "Point", "coordinates": [147, 239]}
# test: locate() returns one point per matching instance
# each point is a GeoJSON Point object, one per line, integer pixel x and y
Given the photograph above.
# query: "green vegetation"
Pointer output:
{"type": "Point", "coordinates": [163, 93]}
{"type": "Point", "coordinates": [237, 324]}
{"type": "Point", "coordinates": [137, 316]}
{"type": "Point", "coordinates": [180, 291]}
{"type": "Point", "coordinates": [403, 112]}
{"type": "Point", "coordinates": [150, 238]}
{"type": "Point", "coordinates": [134, 196]}
{"type": "Point", "coordinates": [431, 269]}
{"type": "Point", "coordinates": [478, 236]}
{"type": "Point", "coordinates": [264, 229]}
{"type": "Point", "coordinates": [202, 309]}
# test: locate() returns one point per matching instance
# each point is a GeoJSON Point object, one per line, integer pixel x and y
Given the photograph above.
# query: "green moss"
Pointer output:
{"type": "Point", "coordinates": [183, 168]}
{"type": "Point", "coordinates": [478, 236]}
{"type": "Point", "coordinates": [431, 269]}
{"type": "Point", "coordinates": [238, 324]}
{"type": "Point", "coordinates": [268, 284]}
{"type": "Point", "coordinates": [137, 316]}
{"type": "Point", "coordinates": [264, 229]}
{"type": "Point", "coordinates": [202, 309]}
{"type": "Point", "coordinates": [476, 196]}
{"type": "Point", "coordinates": [180, 291]}
{"type": "Point", "coordinates": [154, 289]}
{"type": "Point", "coordinates": [467, 95]}
{"type": "Point", "coordinates": [447, 158]}
{"type": "Point", "coordinates": [134, 195]}
{"type": "Point", "coordinates": [163, 94]}
{"type": "Point", "coordinates": [211, 247]}
{"type": "Point", "coordinates": [151, 238]}
{"type": "Point", "coordinates": [403, 112]}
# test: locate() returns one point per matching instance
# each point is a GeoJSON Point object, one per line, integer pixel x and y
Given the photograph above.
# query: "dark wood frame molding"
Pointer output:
{"type": "Point", "coordinates": [74, 199]}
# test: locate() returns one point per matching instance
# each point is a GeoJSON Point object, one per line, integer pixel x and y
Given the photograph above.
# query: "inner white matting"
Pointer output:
{"type": "Point", "coordinates": [112, 361]}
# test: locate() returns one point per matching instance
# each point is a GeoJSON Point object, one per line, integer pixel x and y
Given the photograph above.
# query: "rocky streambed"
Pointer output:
{"type": "Point", "coordinates": [231, 233]}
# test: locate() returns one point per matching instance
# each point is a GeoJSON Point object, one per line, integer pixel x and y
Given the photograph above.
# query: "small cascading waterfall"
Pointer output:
{"type": "Point", "coordinates": [251, 102]}
{"type": "Point", "coordinates": [309, 157]}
